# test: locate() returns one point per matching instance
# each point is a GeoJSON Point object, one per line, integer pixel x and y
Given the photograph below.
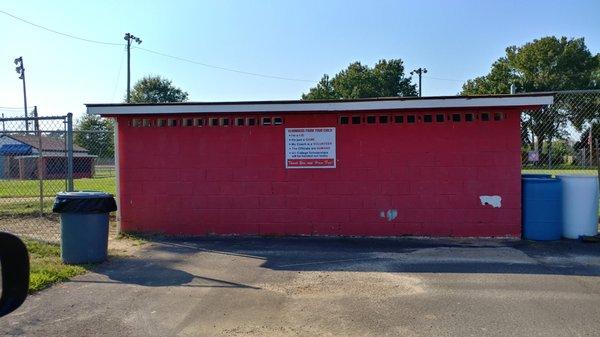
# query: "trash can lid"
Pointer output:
{"type": "Point", "coordinates": [84, 202]}
{"type": "Point", "coordinates": [83, 195]}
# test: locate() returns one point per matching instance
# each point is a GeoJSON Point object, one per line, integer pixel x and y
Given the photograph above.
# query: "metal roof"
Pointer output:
{"type": "Point", "coordinates": [48, 143]}
{"type": "Point", "coordinates": [386, 103]}
{"type": "Point", "coordinates": [15, 149]}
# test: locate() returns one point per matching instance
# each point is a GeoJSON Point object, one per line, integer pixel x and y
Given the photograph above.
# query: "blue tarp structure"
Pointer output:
{"type": "Point", "coordinates": [7, 150]}
{"type": "Point", "coordinates": [15, 150]}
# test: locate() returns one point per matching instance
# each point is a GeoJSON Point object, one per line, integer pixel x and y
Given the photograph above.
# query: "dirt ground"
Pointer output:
{"type": "Point", "coordinates": [46, 228]}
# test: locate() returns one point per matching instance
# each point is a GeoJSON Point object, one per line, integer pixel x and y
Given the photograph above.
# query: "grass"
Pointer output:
{"type": "Point", "coordinates": [586, 172]}
{"type": "Point", "coordinates": [22, 208]}
{"type": "Point", "coordinates": [96, 184]}
{"type": "Point", "coordinates": [11, 191]}
{"type": "Point", "coordinates": [46, 266]}
{"type": "Point", "coordinates": [104, 172]}
{"type": "Point", "coordinates": [135, 240]}
{"type": "Point", "coordinates": [31, 188]}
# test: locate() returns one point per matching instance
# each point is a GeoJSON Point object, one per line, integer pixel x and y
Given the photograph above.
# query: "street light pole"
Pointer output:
{"type": "Point", "coordinates": [21, 71]}
{"type": "Point", "coordinates": [420, 72]}
{"type": "Point", "coordinates": [129, 37]}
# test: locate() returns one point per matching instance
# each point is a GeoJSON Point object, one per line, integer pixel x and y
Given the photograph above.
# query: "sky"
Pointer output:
{"type": "Point", "coordinates": [296, 40]}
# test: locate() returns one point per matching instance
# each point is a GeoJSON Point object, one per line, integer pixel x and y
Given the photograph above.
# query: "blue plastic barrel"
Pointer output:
{"type": "Point", "coordinates": [542, 208]}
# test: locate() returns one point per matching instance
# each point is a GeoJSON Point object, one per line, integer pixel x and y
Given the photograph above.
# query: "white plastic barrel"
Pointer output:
{"type": "Point", "coordinates": [580, 205]}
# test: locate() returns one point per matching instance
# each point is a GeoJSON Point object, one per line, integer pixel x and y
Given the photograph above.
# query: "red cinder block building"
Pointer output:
{"type": "Point", "coordinates": [436, 166]}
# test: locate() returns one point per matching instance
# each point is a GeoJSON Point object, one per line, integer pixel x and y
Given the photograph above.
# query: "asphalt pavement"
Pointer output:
{"type": "Point", "coordinates": [326, 287]}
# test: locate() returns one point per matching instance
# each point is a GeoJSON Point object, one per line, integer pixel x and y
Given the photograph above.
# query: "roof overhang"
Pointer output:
{"type": "Point", "coordinates": [445, 102]}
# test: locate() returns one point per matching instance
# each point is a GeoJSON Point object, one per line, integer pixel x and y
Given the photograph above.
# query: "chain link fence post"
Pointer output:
{"type": "Point", "coordinates": [40, 168]}
{"type": "Point", "coordinates": [69, 140]}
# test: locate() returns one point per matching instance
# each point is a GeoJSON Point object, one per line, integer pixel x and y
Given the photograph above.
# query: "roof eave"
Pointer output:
{"type": "Point", "coordinates": [538, 99]}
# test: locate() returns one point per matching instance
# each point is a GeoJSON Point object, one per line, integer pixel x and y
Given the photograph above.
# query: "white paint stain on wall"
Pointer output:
{"type": "Point", "coordinates": [492, 200]}
{"type": "Point", "coordinates": [390, 214]}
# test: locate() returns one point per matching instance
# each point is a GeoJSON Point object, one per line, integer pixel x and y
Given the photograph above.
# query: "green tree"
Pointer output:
{"type": "Point", "coordinates": [95, 134]}
{"type": "Point", "coordinates": [385, 79]}
{"type": "Point", "coordinates": [155, 89]}
{"type": "Point", "coordinates": [583, 146]}
{"type": "Point", "coordinates": [546, 64]}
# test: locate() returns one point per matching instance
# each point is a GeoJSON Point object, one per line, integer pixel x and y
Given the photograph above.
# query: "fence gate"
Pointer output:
{"type": "Point", "coordinates": [36, 162]}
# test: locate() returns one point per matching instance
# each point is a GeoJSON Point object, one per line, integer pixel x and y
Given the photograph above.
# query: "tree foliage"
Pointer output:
{"type": "Point", "coordinates": [385, 79]}
{"type": "Point", "coordinates": [546, 64]}
{"type": "Point", "coordinates": [155, 89]}
{"type": "Point", "coordinates": [96, 134]}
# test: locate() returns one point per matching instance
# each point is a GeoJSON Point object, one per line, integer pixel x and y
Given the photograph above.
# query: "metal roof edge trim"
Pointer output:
{"type": "Point", "coordinates": [323, 106]}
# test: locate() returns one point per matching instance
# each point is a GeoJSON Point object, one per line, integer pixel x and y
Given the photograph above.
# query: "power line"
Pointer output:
{"type": "Point", "coordinates": [10, 108]}
{"type": "Point", "coordinates": [160, 53]}
{"type": "Point", "coordinates": [223, 68]}
{"type": "Point", "coordinates": [443, 79]}
{"type": "Point", "coordinates": [60, 33]}
{"type": "Point", "coordinates": [118, 77]}
{"type": "Point", "coordinates": [185, 59]}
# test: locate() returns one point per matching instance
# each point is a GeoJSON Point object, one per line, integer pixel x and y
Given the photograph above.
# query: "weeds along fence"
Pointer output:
{"type": "Point", "coordinates": [563, 137]}
{"type": "Point", "coordinates": [40, 157]}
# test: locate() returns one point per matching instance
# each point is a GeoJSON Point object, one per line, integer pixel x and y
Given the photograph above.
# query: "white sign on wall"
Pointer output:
{"type": "Point", "coordinates": [309, 148]}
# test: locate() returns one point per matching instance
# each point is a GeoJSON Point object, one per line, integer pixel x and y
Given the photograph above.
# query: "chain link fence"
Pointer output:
{"type": "Point", "coordinates": [563, 138]}
{"type": "Point", "coordinates": [35, 165]}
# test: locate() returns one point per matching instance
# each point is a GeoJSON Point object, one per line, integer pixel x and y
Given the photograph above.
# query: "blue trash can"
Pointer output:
{"type": "Point", "coordinates": [542, 208]}
{"type": "Point", "coordinates": [84, 225]}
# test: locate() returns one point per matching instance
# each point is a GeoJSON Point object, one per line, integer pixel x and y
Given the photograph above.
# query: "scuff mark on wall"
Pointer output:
{"type": "Point", "coordinates": [492, 200]}
{"type": "Point", "coordinates": [390, 214]}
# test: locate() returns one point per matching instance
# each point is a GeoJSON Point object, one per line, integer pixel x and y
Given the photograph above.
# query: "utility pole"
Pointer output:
{"type": "Point", "coordinates": [129, 37]}
{"type": "Point", "coordinates": [21, 71]}
{"type": "Point", "coordinates": [420, 72]}
{"type": "Point", "coordinates": [36, 122]}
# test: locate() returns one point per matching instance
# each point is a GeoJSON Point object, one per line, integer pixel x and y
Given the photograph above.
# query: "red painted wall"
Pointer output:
{"type": "Point", "coordinates": [232, 180]}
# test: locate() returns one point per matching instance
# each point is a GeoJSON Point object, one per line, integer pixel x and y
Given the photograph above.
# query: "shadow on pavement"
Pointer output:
{"type": "Point", "coordinates": [155, 273]}
{"type": "Point", "coordinates": [414, 255]}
